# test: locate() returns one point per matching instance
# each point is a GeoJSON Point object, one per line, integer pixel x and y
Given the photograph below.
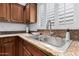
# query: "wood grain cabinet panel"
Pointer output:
{"type": "Point", "coordinates": [17, 13]}
{"type": "Point", "coordinates": [8, 49]}
{"type": "Point", "coordinates": [30, 13]}
{"type": "Point", "coordinates": [8, 15]}
{"type": "Point", "coordinates": [26, 52]}
{"type": "Point", "coordinates": [20, 44]}
{"type": "Point", "coordinates": [34, 51]}
{"type": "Point", "coordinates": [27, 49]}
{"type": "Point", "coordinates": [7, 46]}
{"type": "Point", "coordinates": [22, 49]}
{"type": "Point", "coordinates": [0, 48]}
{"type": "Point", "coordinates": [13, 12]}
{"type": "Point", "coordinates": [4, 11]}
{"type": "Point", "coordinates": [16, 46]}
{"type": "Point", "coordinates": [27, 13]}
{"type": "Point", "coordinates": [33, 13]}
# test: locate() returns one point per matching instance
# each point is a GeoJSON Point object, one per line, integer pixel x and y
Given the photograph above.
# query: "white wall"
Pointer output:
{"type": "Point", "coordinates": [11, 27]}
{"type": "Point", "coordinates": [34, 27]}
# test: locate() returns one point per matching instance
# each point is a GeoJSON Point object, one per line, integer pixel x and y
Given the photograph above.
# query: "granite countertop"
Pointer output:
{"type": "Point", "coordinates": [73, 50]}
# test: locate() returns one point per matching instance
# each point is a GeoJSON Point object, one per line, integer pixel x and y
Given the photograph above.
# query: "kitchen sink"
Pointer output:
{"type": "Point", "coordinates": [56, 42]}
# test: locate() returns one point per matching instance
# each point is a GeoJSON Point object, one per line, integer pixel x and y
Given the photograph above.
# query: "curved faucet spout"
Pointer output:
{"type": "Point", "coordinates": [48, 26]}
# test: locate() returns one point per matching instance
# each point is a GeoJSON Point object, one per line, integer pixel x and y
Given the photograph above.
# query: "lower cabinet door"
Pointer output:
{"type": "Point", "coordinates": [34, 50]}
{"type": "Point", "coordinates": [23, 50]}
{"type": "Point", "coordinates": [8, 50]}
{"type": "Point", "coordinates": [20, 47]}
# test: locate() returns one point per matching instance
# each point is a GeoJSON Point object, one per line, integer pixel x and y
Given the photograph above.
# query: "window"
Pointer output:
{"type": "Point", "coordinates": [42, 15]}
{"type": "Point", "coordinates": [50, 12]}
{"type": "Point", "coordinates": [65, 13]}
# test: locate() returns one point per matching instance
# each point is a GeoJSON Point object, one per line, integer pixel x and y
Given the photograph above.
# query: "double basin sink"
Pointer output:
{"type": "Point", "coordinates": [58, 43]}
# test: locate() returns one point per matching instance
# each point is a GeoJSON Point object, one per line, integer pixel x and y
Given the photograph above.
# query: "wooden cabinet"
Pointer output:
{"type": "Point", "coordinates": [27, 49]}
{"type": "Point", "coordinates": [7, 46]}
{"type": "Point", "coordinates": [30, 13]}
{"type": "Point", "coordinates": [16, 46]}
{"type": "Point", "coordinates": [33, 13]}
{"type": "Point", "coordinates": [4, 11]}
{"type": "Point", "coordinates": [22, 49]}
{"type": "Point", "coordinates": [27, 13]}
{"type": "Point", "coordinates": [33, 51]}
{"type": "Point", "coordinates": [17, 13]}
{"type": "Point", "coordinates": [13, 12]}
{"type": "Point", "coordinates": [7, 49]}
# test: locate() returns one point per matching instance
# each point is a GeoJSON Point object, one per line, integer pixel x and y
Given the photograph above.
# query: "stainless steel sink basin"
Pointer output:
{"type": "Point", "coordinates": [56, 42]}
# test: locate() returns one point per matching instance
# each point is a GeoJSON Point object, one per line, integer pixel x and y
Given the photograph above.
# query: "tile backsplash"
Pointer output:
{"type": "Point", "coordinates": [74, 34]}
{"type": "Point", "coordinates": [12, 27]}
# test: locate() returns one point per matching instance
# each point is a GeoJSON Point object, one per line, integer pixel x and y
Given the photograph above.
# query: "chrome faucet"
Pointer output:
{"type": "Point", "coordinates": [48, 26]}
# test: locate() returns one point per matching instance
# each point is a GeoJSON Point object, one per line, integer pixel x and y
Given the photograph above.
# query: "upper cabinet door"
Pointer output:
{"type": "Point", "coordinates": [4, 11]}
{"type": "Point", "coordinates": [33, 12]}
{"type": "Point", "coordinates": [27, 13]}
{"type": "Point", "coordinates": [17, 13]}
{"type": "Point", "coordinates": [30, 13]}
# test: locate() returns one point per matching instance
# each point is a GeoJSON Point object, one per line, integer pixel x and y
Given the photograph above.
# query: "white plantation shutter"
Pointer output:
{"type": "Point", "coordinates": [42, 15]}
{"type": "Point", "coordinates": [46, 12]}
{"type": "Point", "coordinates": [69, 13]}
{"type": "Point", "coordinates": [66, 13]}
{"type": "Point", "coordinates": [61, 13]}
{"type": "Point", "coordinates": [50, 12]}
